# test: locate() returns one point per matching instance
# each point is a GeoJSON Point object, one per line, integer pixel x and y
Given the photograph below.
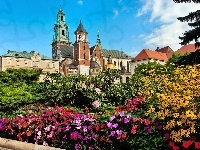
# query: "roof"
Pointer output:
{"type": "Point", "coordinates": [94, 64]}
{"type": "Point", "coordinates": [80, 28]}
{"type": "Point", "coordinates": [166, 50]}
{"type": "Point", "coordinates": [114, 54]}
{"type": "Point", "coordinates": [24, 54]}
{"type": "Point", "coordinates": [150, 54]}
{"type": "Point", "coordinates": [66, 51]}
{"type": "Point", "coordinates": [187, 49]}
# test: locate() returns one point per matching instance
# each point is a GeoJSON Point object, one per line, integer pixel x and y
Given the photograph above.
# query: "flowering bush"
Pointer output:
{"type": "Point", "coordinates": [64, 128]}
{"type": "Point", "coordinates": [173, 100]}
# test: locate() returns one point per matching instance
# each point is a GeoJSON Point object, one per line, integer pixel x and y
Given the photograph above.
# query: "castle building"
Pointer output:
{"type": "Point", "coordinates": [80, 57]}
{"type": "Point", "coordinates": [28, 60]}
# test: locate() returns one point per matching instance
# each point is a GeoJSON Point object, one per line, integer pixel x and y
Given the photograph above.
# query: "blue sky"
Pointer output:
{"type": "Point", "coordinates": [130, 25]}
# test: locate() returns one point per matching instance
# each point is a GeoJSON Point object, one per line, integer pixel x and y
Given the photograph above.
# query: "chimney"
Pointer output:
{"type": "Point", "coordinates": [24, 52]}
{"type": "Point", "coordinates": [157, 48]}
{"type": "Point", "coordinates": [8, 51]}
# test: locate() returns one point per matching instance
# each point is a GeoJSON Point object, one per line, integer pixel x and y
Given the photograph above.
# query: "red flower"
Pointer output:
{"type": "Point", "coordinates": [171, 143]}
{"type": "Point", "coordinates": [123, 136]}
{"type": "Point", "coordinates": [133, 130]}
{"type": "Point", "coordinates": [97, 128]}
{"type": "Point", "coordinates": [197, 145]}
{"type": "Point", "coordinates": [175, 148]}
{"type": "Point", "coordinates": [186, 144]}
{"type": "Point", "coordinates": [25, 125]}
{"type": "Point", "coordinates": [28, 133]}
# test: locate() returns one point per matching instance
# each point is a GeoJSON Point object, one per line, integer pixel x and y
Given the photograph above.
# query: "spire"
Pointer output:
{"type": "Point", "coordinates": [109, 60]}
{"type": "Point", "coordinates": [80, 28]}
{"type": "Point", "coordinates": [99, 41]}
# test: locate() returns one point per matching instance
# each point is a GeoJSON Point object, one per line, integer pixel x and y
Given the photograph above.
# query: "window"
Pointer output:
{"type": "Point", "coordinates": [26, 63]}
{"type": "Point", "coordinates": [84, 47]}
{"type": "Point", "coordinates": [115, 63]}
{"type": "Point", "coordinates": [53, 65]}
{"type": "Point", "coordinates": [94, 54]}
{"type": "Point", "coordinates": [61, 18]}
{"type": "Point", "coordinates": [48, 65]}
{"type": "Point", "coordinates": [17, 63]}
{"type": "Point", "coordinates": [63, 32]}
{"type": "Point", "coordinates": [35, 64]}
{"type": "Point", "coordinates": [84, 56]}
{"type": "Point", "coordinates": [9, 62]}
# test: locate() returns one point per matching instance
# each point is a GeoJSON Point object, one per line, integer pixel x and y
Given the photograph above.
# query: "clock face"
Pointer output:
{"type": "Point", "coordinates": [81, 37]}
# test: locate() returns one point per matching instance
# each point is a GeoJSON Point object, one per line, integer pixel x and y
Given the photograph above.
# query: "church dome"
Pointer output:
{"type": "Point", "coordinates": [94, 64]}
{"type": "Point", "coordinates": [110, 66]}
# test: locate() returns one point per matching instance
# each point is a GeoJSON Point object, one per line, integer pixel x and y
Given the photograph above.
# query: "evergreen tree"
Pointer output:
{"type": "Point", "coordinates": [194, 22]}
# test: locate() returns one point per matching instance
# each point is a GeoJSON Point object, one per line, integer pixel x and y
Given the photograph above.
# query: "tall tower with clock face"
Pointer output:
{"type": "Point", "coordinates": [81, 50]}
{"type": "Point", "coordinates": [61, 36]}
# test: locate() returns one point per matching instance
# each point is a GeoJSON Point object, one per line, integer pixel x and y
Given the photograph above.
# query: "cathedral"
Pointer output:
{"type": "Point", "coordinates": [79, 56]}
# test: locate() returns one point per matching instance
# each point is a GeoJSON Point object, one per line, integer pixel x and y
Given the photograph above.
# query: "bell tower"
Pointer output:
{"type": "Point", "coordinates": [61, 34]}
{"type": "Point", "coordinates": [81, 50]}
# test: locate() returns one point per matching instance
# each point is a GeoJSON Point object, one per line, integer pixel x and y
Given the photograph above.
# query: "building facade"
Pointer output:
{"type": "Point", "coordinates": [25, 60]}
{"type": "Point", "coordinates": [80, 57]}
{"type": "Point", "coordinates": [159, 55]}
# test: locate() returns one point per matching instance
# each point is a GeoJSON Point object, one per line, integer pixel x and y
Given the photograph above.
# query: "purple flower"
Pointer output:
{"type": "Point", "coordinates": [149, 129]}
{"type": "Point", "coordinates": [115, 125]}
{"type": "Point", "coordinates": [68, 128]}
{"type": "Point", "coordinates": [126, 120]}
{"type": "Point", "coordinates": [89, 127]}
{"type": "Point", "coordinates": [119, 132]}
{"type": "Point", "coordinates": [112, 133]}
{"type": "Point", "coordinates": [109, 125]}
{"type": "Point", "coordinates": [77, 146]}
{"type": "Point", "coordinates": [121, 114]}
{"type": "Point", "coordinates": [85, 138]}
{"type": "Point", "coordinates": [128, 116]}
{"type": "Point", "coordinates": [75, 135]}
{"type": "Point", "coordinates": [84, 128]}
{"type": "Point", "coordinates": [112, 118]}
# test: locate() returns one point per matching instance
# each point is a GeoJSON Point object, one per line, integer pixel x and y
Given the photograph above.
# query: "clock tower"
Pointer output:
{"type": "Point", "coordinates": [81, 50]}
{"type": "Point", "coordinates": [61, 36]}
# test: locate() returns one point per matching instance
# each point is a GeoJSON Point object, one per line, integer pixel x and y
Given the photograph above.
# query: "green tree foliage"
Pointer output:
{"type": "Point", "coordinates": [20, 75]}
{"type": "Point", "coordinates": [190, 59]}
{"type": "Point", "coordinates": [194, 22]}
{"type": "Point", "coordinates": [173, 59]}
{"type": "Point", "coordinates": [144, 68]}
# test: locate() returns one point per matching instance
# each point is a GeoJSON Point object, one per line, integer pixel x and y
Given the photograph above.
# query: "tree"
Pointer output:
{"type": "Point", "coordinates": [194, 22]}
{"type": "Point", "coordinates": [175, 57]}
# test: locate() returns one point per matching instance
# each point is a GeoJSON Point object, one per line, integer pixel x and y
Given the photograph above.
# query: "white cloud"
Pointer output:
{"type": "Point", "coordinates": [80, 2]}
{"type": "Point", "coordinates": [116, 13]}
{"type": "Point", "coordinates": [133, 53]}
{"type": "Point", "coordinates": [165, 12]}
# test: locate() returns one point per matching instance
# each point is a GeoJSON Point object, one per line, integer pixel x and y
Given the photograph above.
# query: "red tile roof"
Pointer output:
{"type": "Point", "coordinates": [150, 54]}
{"type": "Point", "coordinates": [166, 50]}
{"type": "Point", "coordinates": [187, 49]}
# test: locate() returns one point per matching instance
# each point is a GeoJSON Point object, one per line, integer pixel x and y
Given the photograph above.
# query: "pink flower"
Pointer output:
{"type": "Point", "coordinates": [96, 104]}
{"type": "Point", "coordinates": [98, 90]}
{"type": "Point", "coordinates": [91, 85]}
{"type": "Point", "coordinates": [83, 86]}
{"type": "Point", "coordinates": [45, 144]}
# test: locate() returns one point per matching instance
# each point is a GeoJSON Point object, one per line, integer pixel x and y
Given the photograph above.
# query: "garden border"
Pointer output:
{"type": "Point", "coordinates": [18, 145]}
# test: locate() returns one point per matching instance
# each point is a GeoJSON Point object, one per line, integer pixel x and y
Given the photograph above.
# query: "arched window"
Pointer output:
{"type": "Point", "coordinates": [127, 78]}
{"type": "Point", "coordinates": [115, 63]}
